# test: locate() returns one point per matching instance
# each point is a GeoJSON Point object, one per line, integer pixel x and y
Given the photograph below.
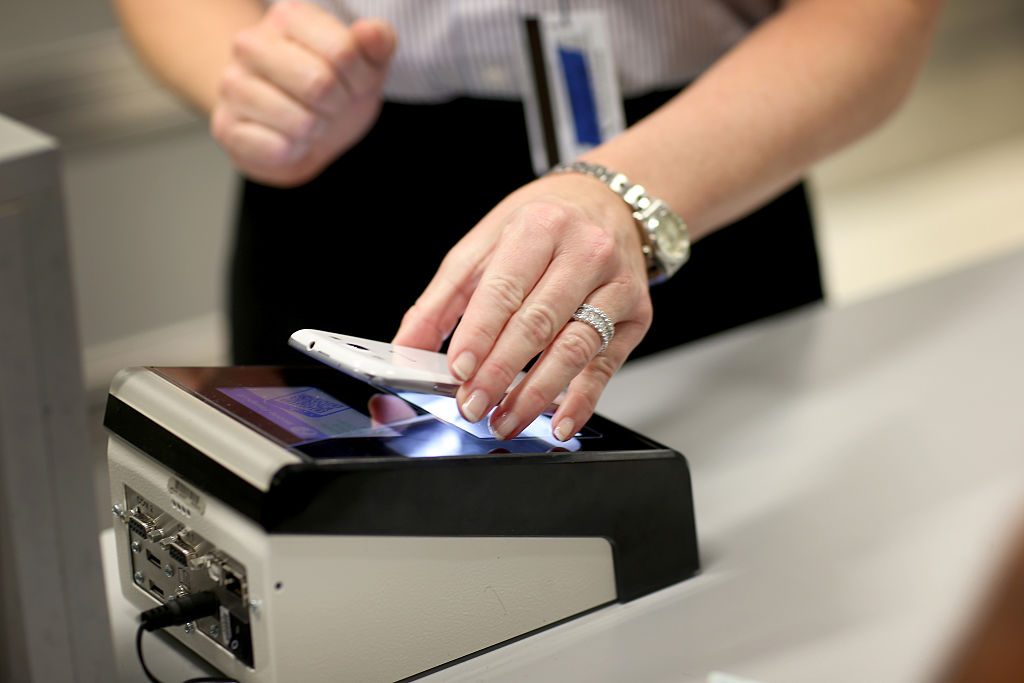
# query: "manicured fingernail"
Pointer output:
{"type": "Point", "coordinates": [475, 406]}
{"type": "Point", "coordinates": [464, 365]}
{"type": "Point", "coordinates": [504, 425]}
{"type": "Point", "coordinates": [565, 429]}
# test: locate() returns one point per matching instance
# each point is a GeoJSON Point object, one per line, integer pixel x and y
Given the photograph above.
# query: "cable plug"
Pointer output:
{"type": "Point", "coordinates": [181, 610]}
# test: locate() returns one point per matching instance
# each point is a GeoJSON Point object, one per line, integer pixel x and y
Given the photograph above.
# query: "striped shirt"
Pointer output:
{"type": "Point", "coordinates": [449, 48]}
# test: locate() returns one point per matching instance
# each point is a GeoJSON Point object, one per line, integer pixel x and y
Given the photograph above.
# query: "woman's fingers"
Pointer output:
{"type": "Point", "coordinates": [580, 400]}
{"type": "Point", "coordinates": [377, 40]}
{"type": "Point", "coordinates": [303, 75]}
{"type": "Point", "coordinates": [517, 282]}
{"type": "Point", "coordinates": [361, 69]}
{"type": "Point", "coordinates": [258, 101]}
{"type": "Point", "coordinates": [386, 409]}
{"type": "Point", "coordinates": [519, 261]}
{"type": "Point", "coordinates": [251, 144]}
{"type": "Point", "coordinates": [538, 276]}
{"type": "Point", "coordinates": [574, 353]}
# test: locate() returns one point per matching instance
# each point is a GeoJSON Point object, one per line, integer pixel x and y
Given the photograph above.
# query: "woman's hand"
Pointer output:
{"type": "Point", "coordinates": [301, 88]}
{"type": "Point", "coordinates": [516, 279]}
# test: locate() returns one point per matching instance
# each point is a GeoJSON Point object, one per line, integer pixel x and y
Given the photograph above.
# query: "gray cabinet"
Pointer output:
{"type": "Point", "coordinates": [54, 624]}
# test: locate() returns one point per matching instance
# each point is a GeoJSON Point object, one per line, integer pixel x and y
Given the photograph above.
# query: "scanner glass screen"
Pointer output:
{"type": "Point", "coordinates": [310, 414]}
{"type": "Point", "coordinates": [327, 415]}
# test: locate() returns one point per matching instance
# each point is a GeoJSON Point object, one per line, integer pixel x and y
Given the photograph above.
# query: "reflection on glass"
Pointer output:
{"type": "Point", "coordinates": [327, 416]}
{"type": "Point", "coordinates": [445, 409]}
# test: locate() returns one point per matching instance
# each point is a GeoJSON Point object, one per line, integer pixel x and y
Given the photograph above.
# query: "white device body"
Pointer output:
{"type": "Point", "coordinates": [340, 607]}
{"type": "Point", "coordinates": [398, 367]}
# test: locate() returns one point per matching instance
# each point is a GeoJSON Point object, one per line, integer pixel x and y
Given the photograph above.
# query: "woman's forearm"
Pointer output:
{"type": "Point", "coordinates": [814, 77]}
{"type": "Point", "coordinates": [187, 43]}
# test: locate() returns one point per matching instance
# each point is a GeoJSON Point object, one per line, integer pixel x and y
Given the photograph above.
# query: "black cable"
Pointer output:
{"type": "Point", "coordinates": [175, 612]}
{"type": "Point", "coordinates": [142, 660]}
{"type": "Point", "coordinates": [154, 679]}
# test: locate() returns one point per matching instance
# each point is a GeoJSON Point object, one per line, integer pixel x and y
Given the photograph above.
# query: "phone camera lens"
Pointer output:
{"type": "Point", "coordinates": [357, 346]}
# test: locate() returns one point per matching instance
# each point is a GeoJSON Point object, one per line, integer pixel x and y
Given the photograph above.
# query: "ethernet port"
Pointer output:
{"type": "Point", "coordinates": [232, 583]}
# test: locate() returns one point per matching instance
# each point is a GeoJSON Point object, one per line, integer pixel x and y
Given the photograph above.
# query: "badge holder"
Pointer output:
{"type": "Point", "coordinates": [571, 94]}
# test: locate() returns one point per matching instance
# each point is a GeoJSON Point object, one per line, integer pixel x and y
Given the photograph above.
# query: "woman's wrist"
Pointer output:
{"type": "Point", "coordinates": [600, 203]}
{"type": "Point", "coordinates": [664, 235]}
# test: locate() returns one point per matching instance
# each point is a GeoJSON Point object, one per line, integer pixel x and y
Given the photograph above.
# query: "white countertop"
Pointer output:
{"type": "Point", "coordinates": [856, 474]}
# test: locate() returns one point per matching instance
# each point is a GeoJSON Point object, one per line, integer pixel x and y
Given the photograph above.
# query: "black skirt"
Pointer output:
{"type": "Point", "coordinates": [350, 251]}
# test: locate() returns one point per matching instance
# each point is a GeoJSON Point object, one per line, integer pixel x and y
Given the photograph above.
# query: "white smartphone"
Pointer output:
{"type": "Point", "coordinates": [396, 367]}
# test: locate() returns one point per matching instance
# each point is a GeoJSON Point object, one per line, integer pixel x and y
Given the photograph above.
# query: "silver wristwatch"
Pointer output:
{"type": "Point", "coordinates": [663, 233]}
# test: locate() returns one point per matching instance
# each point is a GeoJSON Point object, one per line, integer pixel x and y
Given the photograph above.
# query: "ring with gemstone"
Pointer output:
{"type": "Point", "coordinates": [599, 320]}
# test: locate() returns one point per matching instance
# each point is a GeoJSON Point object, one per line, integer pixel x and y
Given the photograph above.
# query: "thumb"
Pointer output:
{"type": "Point", "coordinates": [376, 39]}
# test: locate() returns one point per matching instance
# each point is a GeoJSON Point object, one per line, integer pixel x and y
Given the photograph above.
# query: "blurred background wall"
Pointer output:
{"type": "Point", "coordinates": [941, 185]}
{"type": "Point", "coordinates": [150, 197]}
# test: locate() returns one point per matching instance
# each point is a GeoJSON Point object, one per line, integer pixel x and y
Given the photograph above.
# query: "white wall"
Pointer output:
{"type": "Point", "coordinates": [34, 23]}
{"type": "Point", "coordinates": [938, 187]}
{"type": "Point", "coordinates": [150, 232]}
{"type": "Point", "coordinates": [149, 194]}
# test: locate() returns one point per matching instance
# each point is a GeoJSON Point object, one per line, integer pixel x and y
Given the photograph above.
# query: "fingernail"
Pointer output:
{"type": "Point", "coordinates": [565, 429]}
{"type": "Point", "coordinates": [504, 425]}
{"type": "Point", "coordinates": [475, 406]}
{"type": "Point", "coordinates": [464, 365]}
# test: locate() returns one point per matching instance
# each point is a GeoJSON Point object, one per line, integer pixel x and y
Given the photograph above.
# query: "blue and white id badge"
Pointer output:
{"type": "Point", "coordinates": [571, 91]}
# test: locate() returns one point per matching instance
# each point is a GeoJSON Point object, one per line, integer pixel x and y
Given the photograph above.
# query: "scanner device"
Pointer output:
{"type": "Point", "coordinates": [348, 532]}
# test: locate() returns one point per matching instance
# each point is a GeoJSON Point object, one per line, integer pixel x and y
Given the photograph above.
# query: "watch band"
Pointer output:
{"type": "Point", "coordinates": [652, 215]}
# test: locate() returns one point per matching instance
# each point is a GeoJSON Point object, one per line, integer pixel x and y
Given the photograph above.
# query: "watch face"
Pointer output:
{"type": "Point", "coordinates": [671, 238]}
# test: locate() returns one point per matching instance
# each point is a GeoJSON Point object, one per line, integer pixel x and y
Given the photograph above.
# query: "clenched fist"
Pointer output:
{"type": "Point", "coordinates": [301, 88]}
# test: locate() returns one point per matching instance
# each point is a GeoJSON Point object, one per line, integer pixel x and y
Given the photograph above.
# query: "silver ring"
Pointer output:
{"type": "Point", "coordinates": [599, 320]}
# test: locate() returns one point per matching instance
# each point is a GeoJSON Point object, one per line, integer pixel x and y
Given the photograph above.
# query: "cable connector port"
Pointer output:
{"type": "Point", "coordinates": [180, 552]}
{"type": "Point", "coordinates": [180, 610]}
{"type": "Point", "coordinates": [233, 583]}
{"type": "Point", "coordinates": [140, 523]}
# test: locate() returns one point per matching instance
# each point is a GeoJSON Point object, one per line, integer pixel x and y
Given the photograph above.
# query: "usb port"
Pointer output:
{"type": "Point", "coordinates": [154, 560]}
{"type": "Point", "coordinates": [156, 590]}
